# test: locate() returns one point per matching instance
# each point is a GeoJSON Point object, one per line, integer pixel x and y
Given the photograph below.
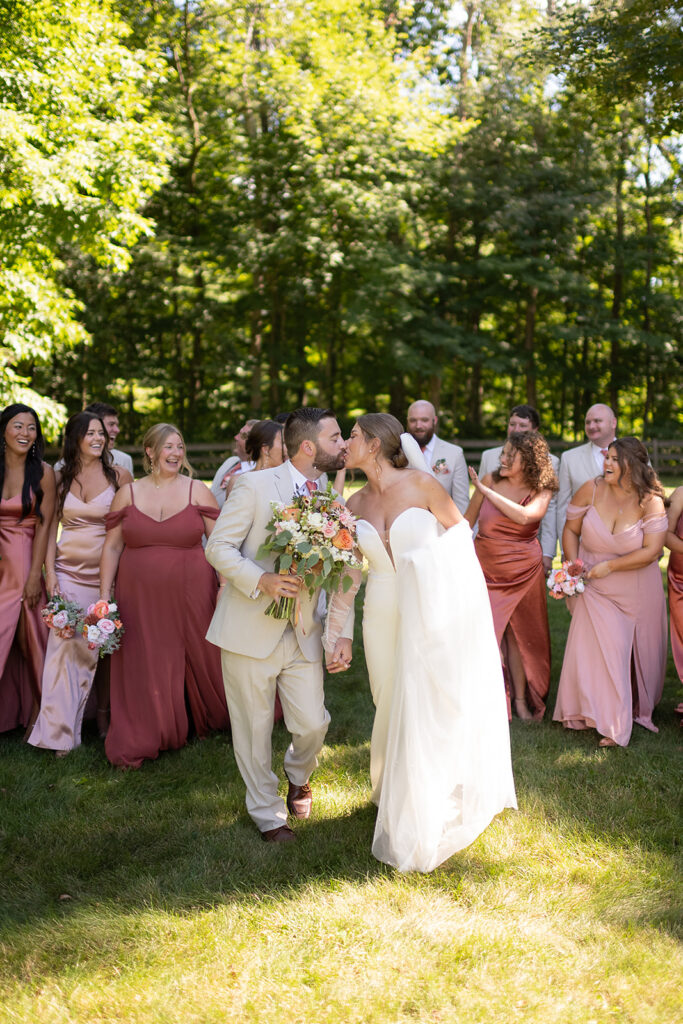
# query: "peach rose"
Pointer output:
{"type": "Point", "coordinates": [343, 540]}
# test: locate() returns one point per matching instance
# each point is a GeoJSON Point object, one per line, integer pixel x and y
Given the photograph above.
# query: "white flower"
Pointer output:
{"type": "Point", "coordinates": [60, 620]}
{"type": "Point", "coordinates": [314, 521]}
{"type": "Point", "coordinates": [94, 636]}
{"type": "Point", "coordinates": [580, 586]}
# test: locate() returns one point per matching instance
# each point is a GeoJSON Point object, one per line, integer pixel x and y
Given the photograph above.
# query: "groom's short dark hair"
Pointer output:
{"type": "Point", "coordinates": [304, 425]}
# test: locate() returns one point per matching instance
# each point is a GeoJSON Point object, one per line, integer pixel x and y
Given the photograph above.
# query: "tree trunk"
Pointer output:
{"type": "Point", "coordinates": [529, 346]}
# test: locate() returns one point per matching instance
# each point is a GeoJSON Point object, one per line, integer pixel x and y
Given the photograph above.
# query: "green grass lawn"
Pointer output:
{"type": "Point", "coordinates": [147, 896]}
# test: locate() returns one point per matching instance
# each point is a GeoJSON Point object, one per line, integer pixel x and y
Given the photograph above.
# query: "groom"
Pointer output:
{"type": "Point", "coordinates": [260, 653]}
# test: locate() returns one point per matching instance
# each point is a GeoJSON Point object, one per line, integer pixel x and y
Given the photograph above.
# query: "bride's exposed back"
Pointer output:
{"type": "Point", "coordinates": [440, 752]}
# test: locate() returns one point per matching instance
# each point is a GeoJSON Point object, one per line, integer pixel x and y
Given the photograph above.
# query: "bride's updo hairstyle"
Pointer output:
{"type": "Point", "coordinates": [387, 429]}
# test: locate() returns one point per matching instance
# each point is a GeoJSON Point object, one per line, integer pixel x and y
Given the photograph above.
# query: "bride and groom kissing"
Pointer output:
{"type": "Point", "coordinates": [440, 750]}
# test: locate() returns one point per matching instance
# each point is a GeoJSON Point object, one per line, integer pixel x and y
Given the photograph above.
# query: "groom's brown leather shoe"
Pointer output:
{"type": "Point", "coordinates": [281, 834]}
{"type": "Point", "coordinates": [300, 800]}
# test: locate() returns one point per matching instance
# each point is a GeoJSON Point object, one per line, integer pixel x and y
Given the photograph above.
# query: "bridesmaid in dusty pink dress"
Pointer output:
{"type": "Point", "coordinates": [166, 592]}
{"type": "Point", "coordinates": [509, 505]}
{"type": "Point", "coordinates": [674, 542]}
{"type": "Point", "coordinates": [613, 669]}
{"type": "Point", "coordinates": [86, 484]}
{"type": "Point", "coordinates": [27, 494]}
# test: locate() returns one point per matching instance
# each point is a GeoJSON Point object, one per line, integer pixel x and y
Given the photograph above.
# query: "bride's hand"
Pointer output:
{"type": "Point", "coordinates": [340, 658]}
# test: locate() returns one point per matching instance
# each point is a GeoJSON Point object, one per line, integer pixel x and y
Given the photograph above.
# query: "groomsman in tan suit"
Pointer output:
{"type": "Point", "coordinates": [260, 653]}
{"type": "Point", "coordinates": [524, 418]}
{"type": "Point", "coordinates": [447, 461]}
{"type": "Point", "coordinates": [587, 461]}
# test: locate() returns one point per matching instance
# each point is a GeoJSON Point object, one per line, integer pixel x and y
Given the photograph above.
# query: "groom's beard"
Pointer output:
{"type": "Point", "coordinates": [327, 463]}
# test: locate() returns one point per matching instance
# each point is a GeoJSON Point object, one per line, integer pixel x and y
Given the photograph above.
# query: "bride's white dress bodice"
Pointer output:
{"type": "Point", "coordinates": [440, 752]}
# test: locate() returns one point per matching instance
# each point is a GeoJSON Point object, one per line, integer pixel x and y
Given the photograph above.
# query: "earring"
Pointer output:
{"type": "Point", "coordinates": [378, 468]}
{"type": "Point", "coordinates": [33, 449]}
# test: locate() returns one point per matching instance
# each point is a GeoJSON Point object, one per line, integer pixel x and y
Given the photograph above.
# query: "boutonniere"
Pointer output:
{"type": "Point", "coordinates": [440, 466]}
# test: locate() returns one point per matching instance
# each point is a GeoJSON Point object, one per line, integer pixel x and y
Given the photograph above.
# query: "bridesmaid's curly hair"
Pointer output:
{"type": "Point", "coordinates": [387, 429]}
{"type": "Point", "coordinates": [77, 427]}
{"type": "Point", "coordinates": [632, 456]}
{"type": "Point", "coordinates": [537, 468]}
{"type": "Point", "coordinates": [33, 467]}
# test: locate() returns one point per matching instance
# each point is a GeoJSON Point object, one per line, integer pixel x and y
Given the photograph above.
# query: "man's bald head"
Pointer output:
{"type": "Point", "coordinates": [422, 420]}
{"type": "Point", "coordinates": [601, 424]}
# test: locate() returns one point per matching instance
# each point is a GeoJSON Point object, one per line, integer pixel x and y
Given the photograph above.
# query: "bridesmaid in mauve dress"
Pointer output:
{"type": "Point", "coordinates": [86, 485]}
{"type": "Point", "coordinates": [674, 541]}
{"type": "Point", "coordinates": [27, 494]}
{"type": "Point", "coordinates": [616, 525]}
{"type": "Point", "coordinates": [510, 505]}
{"type": "Point", "coordinates": [166, 592]}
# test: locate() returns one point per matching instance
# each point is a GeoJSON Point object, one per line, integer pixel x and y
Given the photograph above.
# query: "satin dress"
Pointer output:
{"type": "Point", "coordinates": [69, 664]}
{"type": "Point", "coordinates": [613, 668]}
{"type": "Point", "coordinates": [23, 633]}
{"type": "Point", "coordinates": [440, 751]}
{"type": "Point", "coordinates": [512, 560]}
{"type": "Point", "coordinates": [165, 672]}
{"type": "Point", "coordinates": [675, 587]}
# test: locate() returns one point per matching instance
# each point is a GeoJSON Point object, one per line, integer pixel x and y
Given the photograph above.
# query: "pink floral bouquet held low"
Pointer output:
{"type": "Point", "coordinates": [62, 616]}
{"type": "Point", "coordinates": [567, 581]}
{"type": "Point", "coordinates": [314, 537]}
{"type": "Point", "coordinates": [102, 627]}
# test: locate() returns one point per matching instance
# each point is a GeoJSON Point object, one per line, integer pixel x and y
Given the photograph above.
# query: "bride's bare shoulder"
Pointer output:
{"type": "Point", "coordinates": [356, 501]}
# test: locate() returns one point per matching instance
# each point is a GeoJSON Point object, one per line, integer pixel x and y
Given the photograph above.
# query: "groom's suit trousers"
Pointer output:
{"type": "Point", "coordinates": [250, 692]}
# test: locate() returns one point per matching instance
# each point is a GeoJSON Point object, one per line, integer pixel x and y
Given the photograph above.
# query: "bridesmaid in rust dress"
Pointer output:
{"type": "Point", "coordinates": [27, 495]}
{"type": "Point", "coordinates": [86, 484]}
{"type": "Point", "coordinates": [674, 542]}
{"type": "Point", "coordinates": [510, 504]}
{"type": "Point", "coordinates": [166, 592]}
{"type": "Point", "coordinates": [613, 668]}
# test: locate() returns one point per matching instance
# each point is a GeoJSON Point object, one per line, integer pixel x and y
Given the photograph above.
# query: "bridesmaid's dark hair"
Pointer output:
{"type": "Point", "coordinates": [387, 429]}
{"type": "Point", "coordinates": [33, 467]}
{"type": "Point", "coordinates": [262, 435]}
{"type": "Point", "coordinates": [537, 468]}
{"type": "Point", "coordinates": [632, 456]}
{"type": "Point", "coordinates": [76, 428]}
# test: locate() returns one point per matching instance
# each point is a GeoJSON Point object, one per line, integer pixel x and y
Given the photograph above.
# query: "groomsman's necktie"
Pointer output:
{"type": "Point", "coordinates": [603, 452]}
{"type": "Point", "coordinates": [311, 485]}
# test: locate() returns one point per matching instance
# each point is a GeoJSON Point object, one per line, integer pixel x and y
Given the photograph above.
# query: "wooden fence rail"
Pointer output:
{"type": "Point", "coordinates": [205, 457]}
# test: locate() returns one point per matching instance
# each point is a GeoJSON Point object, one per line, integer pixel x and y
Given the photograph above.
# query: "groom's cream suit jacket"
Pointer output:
{"type": "Point", "coordinates": [239, 623]}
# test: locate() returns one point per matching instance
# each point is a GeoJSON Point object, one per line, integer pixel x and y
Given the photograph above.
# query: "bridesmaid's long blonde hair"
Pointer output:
{"type": "Point", "coordinates": [155, 438]}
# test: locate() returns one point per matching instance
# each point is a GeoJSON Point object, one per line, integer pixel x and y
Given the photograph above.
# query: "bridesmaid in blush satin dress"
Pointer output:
{"type": "Point", "coordinates": [674, 542]}
{"type": "Point", "coordinates": [27, 493]}
{"type": "Point", "coordinates": [616, 525]}
{"type": "Point", "coordinates": [509, 506]}
{"type": "Point", "coordinates": [86, 484]}
{"type": "Point", "coordinates": [166, 592]}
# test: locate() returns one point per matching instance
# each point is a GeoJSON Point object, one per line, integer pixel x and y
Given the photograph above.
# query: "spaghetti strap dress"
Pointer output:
{"type": "Point", "coordinates": [69, 664]}
{"type": "Point", "coordinates": [512, 561]}
{"type": "Point", "coordinates": [165, 672]}
{"type": "Point", "coordinates": [23, 633]}
{"type": "Point", "coordinates": [608, 680]}
{"type": "Point", "coordinates": [675, 586]}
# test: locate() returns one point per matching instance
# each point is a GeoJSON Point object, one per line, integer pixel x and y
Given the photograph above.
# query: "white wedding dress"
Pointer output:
{"type": "Point", "coordinates": [440, 751]}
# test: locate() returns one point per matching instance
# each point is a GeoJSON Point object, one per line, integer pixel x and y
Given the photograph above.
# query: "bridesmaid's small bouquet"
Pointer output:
{"type": "Point", "coordinates": [313, 536]}
{"type": "Point", "coordinates": [567, 581]}
{"type": "Point", "coordinates": [62, 616]}
{"type": "Point", "coordinates": [102, 627]}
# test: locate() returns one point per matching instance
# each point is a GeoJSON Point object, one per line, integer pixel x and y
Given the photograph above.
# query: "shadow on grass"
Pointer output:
{"type": "Point", "coordinates": [175, 834]}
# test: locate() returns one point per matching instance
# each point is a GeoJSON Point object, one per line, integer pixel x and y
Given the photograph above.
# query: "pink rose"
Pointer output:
{"type": "Point", "coordinates": [106, 626]}
{"type": "Point", "coordinates": [329, 529]}
{"type": "Point", "coordinates": [60, 620]}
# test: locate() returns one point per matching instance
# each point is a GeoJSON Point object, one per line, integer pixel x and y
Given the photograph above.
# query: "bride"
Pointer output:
{"type": "Point", "coordinates": [440, 752]}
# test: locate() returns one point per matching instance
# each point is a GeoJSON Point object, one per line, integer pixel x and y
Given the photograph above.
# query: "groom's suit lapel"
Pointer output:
{"type": "Point", "coordinates": [283, 483]}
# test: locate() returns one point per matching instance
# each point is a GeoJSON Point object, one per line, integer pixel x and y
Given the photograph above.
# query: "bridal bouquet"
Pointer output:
{"type": "Point", "coordinates": [102, 627]}
{"type": "Point", "coordinates": [313, 537]}
{"type": "Point", "coordinates": [62, 616]}
{"type": "Point", "coordinates": [567, 581]}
